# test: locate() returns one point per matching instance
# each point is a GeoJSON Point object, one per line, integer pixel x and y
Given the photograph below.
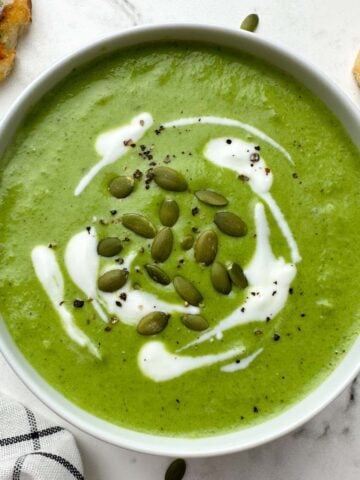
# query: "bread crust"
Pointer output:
{"type": "Point", "coordinates": [13, 19]}
{"type": "Point", "coordinates": [356, 69]}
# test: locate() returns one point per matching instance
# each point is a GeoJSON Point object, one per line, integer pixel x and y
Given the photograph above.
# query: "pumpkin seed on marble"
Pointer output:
{"type": "Point", "coordinates": [112, 280]}
{"type": "Point", "coordinates": [237, 275]}
{"type": "Point", "coordinates": [250, 22]}
{"type": "Point", "coordinates": [157, 274]}
{"type": "Point", "coordinates": [187, 242]}
{"type": "Point", "coordinates": [195, 322]}
{"type": "Point", "coordinates": [153, 323]}
{"type": "Point", "coordinates": [230, 224]}
{"type": "Point", "coordinates": [176, 470]}
{"type": "Point", "coordinates": [139, 225]}
{"type": "Point", "coordinates": [170, 179]}
{"type": "Point", "coordinates": [109, 247]}
{"type": "Point", "coordinates": [162, 245]}
{"type": "Point", "coordinates": [187, 291]}
{"type": "Point", "coordinates": [211, 198]}
{"type": "Point", "coordinates": [169, 212]}
{"type": "Point", "coordinates": [121, 187]}
{"type": "Point", "coordinates": [205, 248]}
{"type": "Point", "coordinates": [220, 278]}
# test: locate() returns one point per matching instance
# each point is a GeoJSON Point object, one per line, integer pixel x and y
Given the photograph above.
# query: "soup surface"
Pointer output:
{"type": "Point", "coordinates": [175, 120]}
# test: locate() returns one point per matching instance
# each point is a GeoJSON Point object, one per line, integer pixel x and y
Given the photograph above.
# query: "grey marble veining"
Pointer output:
{"type": "Point", "coordinates": [325, 33]}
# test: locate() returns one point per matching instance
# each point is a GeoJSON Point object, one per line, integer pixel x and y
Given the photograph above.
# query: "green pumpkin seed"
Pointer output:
{"type": "Point", "coordinates": [121, 187]}
{"type": "Point", "coordinates": [250, 22]}
{"type": "Point", "coordinates": [169, 212]}
{"type": "Point", "coordinates": [109, 247]}
{"type": "Point", "coordinates": [112, 280]}
{"type": "Point", "coordinates": [157, 274]}
{"type": "Point", "coordinates": [170, 179]}
{"type": "Point", "coordinates": [230, 224]}
{"type": "Point", "coordinates": [205, 248]}
{"type": "Point", "coordinates": [187, 291]}
{"type": "Point", "coordinates": [211, 198]}
{"type": "Point", "coordinates": [220, 278]}
{"type": "Point", "coordinates": [139, 224]}
{"type": "Point", "coordinates": [176, 470]}
{"type": "Point", "coordinates": [187, 242]}
{"type": "Point", "coordinates": [162, 245]}
{"type": "Point", "coordinates": [237, 275]}
{"type": "Point", "coordinates": [195, 322]}
{"type": "Point", "coordinates": [153, 323]}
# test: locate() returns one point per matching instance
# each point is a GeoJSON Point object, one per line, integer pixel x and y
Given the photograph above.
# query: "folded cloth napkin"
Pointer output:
{"type": "Point", "coordinates": [31, 448]}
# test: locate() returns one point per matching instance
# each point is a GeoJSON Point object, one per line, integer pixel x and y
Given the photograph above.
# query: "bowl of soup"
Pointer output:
{"type": "Point", "coordinates": [178, 211]}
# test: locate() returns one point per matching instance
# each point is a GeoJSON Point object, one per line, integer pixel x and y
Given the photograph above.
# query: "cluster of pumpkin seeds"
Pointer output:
{"type": "Point", "coordinates": [205, 247]}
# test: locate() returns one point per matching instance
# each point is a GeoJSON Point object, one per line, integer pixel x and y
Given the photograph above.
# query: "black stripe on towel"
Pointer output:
{"type": "Point", "coordinates": [33, 428]}
{"type": "Point", "coordinates": [29, 436]}
{"type": "Point", "coordinates": [60, 460]}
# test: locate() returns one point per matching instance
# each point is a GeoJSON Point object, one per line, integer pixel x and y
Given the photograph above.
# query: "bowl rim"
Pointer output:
{"type": "Point", "coordinates": [295, 415]}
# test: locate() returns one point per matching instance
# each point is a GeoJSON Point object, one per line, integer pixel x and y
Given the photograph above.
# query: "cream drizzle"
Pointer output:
{"type": "Point", "coordinates": [82, 263]}
{"type": "Point", "coordinates": [48, 272]}
{"type": "Point", "coordinates": [269, 279]}
{"type": "Point", "coordinates": [242, 363]}
{"type": "Point", "coordinates": [229, 122]}
{"type": "Point", "coordinates": [160, 365]}
{"type": "Point", "coordinates": [111, 146]}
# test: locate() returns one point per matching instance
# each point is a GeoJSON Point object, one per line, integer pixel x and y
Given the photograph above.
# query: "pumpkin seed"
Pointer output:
{"type": "Point", "coordinates": [250, 22]}
{"type": "Point", "coordinates": [195, 322]}
{"type": "Point", "coordinates": [205, 248]}
{"type": "Point", "coordinates": [169, 212]}
{"type": "Point", "coordinates": [211, 198]}
{"type": "Point", "coordinates": [139, 224]}
{"type": "Point", "coordinates": [153, 323]}
{"type": "Point", "coordinates": [170, 179]}
{"type": "Point", "coordinates": [230, 224]}
{"type": "Point", "coordinates": [187, 291]}
{"type": "Point", "coordinates": [176, 470]}
{"type": "Point", "coordinates": [112, 280]}
{"type": "Point", "coordinates": [109, 247]}
{"type": "Point", "coordinates": [162, 245]}
{"type": "Point", "coordinates": [121, 187]}
{"type": "Point", "coordinates": [187, 242]}
{"type": "Point", "coordinates": [220, 278]}
{"type": "Point", "coordinates": [157, 274]}
{"type": "Point", "coordinates": [237, 275]}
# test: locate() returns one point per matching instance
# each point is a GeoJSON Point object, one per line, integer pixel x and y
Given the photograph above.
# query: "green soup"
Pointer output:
{"type": "Point", "coordinates": [227, 123]}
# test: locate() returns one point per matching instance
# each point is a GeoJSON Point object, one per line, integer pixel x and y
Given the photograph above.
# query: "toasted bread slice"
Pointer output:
{"type": "Point", "coordinates": [356, 69]}
{"type": "Point", "coordinates": [14, 17]}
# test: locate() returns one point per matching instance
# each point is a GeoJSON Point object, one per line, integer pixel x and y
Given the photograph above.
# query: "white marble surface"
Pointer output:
{"type": "Point", "coordinates": [325, 32]}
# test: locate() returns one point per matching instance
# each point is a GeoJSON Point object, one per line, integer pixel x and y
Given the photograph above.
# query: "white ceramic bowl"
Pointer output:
{"type": "Point", "coordinates": [292, 417]}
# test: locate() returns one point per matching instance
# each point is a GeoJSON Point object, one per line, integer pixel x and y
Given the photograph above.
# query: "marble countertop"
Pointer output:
{"type": "Point", "coordinates": [324, 32]}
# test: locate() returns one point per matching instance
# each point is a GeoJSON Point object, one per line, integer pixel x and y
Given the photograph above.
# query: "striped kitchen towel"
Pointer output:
{"type": "Point", "coordinates": [31, 448]}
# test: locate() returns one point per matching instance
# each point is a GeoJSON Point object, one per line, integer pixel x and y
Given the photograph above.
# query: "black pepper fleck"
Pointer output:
{"type": "Point", "coordinates": [194, 211]}
{"type": "Point", "coordinates": [78, 303]}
